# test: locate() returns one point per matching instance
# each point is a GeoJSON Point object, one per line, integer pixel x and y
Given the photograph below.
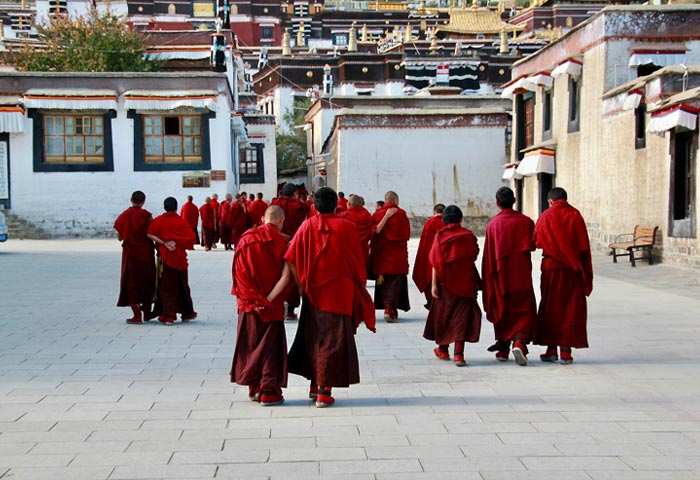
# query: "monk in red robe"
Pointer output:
{"type": "Point", "coordinates": [422, 271]}
{"type": "Point", "coordinates": [260, 275]}
{"type": "Point", "coordinates": [238, 219]}
{"type": "Point", "coordinates": [327, 262]}
{"type": "Point", "coordinates": [567, 278]}
{"type": "Point", "coordinates": [342, 203]}
{"type": "Point", "coordinates": [256, 210]}
{"type": "Point", "coordinates": [224, 225]}
{"type": "Point", "coordinates": [310, 205]}
{"type": "Point", "coordinates": [506, 269]}
{"type": "Point", "coordinates": [214, 202]}
{"type": "Point", "coordinates": [208, 214]}
{"type": "Point", "coordinates": [295, 212]}
{"type": "Point", "coordinates": [454, 312]}
{"type": "Point", "coordinates": [138, 277]}
{"type": "Point", "coordinates": [173, 237]}
{"type": "Point", "coordinates": [389, 258]}
{"type": "Point", "coordinates": [190, 213]}
{"type": "Point", "coordinates": [358, 215]}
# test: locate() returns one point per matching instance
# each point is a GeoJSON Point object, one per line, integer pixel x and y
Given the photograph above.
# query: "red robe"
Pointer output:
{"type": "Point", "coordinates": [256, 210]}
{"type": "Point", "coordinates": [422, 271]}
{"type": "Point", "coordinates": [138, 264]}
{"type": "Point", "coordinates": [506, 269]}
{"type": "Point", "coordinates": [171, 226]}
{"type": "Point", "coordinates": [238, 219]}
{"type": "Point", "coordinates": [342, 205]}
{"type": "Point", "coordinates": [295, 212]}
{"type": "Point", "coordinates": [207, 213]}
{"type": "Point", "coordinates": [362, 219]}
{"type": "Point", "coordinates": [389, 248]}
{"type": "Point", "coordinates": [190, 213]}
{"type": "Point", "coordinates": [455, 315]}
{"type": "Point", "coordinates": [567, 276]}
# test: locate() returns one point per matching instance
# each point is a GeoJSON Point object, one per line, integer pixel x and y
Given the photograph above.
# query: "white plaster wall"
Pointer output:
{"type": "Point", "coordinates": [283, 100]}
{"type": "Point", "coordinates": [87, 203]}
{"type": "Point", "coordinates": [461, 166]}
{"type": "Point", "coordinates": [269, 188]}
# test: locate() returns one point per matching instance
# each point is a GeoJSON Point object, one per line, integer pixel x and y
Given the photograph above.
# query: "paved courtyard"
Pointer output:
{"type": "Point", "coordinates": [84, 396]}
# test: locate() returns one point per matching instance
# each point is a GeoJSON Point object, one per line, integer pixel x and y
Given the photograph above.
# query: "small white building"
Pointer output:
{"type": "Point", "coordinates": [258, 156]}
{"type": "Point", "coordinates": [73, 146]}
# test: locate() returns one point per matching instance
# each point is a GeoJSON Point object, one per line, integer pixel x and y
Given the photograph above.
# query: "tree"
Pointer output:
{"type": "Point", "coordinates": [96, 42]}
{"type": "Point", "coordinates": [291, 148]}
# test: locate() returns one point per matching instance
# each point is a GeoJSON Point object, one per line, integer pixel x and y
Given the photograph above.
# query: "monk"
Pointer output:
{"type": "Point", "coordinates": [190, 213]}
{"type": "Point", "coordinates": [566, 281]}
{"type": "Point", "coordinates": [173, 237]}
{"type": "Point", "coordinates": [310, 205]}
{"type": "Point", "coordinates": [238, 219]}
{"type": "Point", "coordinates": [251, 198]}
{"type": "Point", "coordinates": [389, 258]}
{"type": "Point", "coordinates": [326, 260]}
{"type": "Point", "coordinates": [260, 275]}
{"type": "Point", "coordinates": [422, 271]}
{"type": "Point", "coordinates": [295, 212]}
{"type": "Point", "coordinates": [506, 268]}
{"type": "Point", "coordinates": [224, 225]}
{"type": "Point", "coordinates": [138, 277]}
{"type": "Point", "coordinates": [208, 214]}
{"type": "Point", "coordinates": [342, 203]}
{"type": "Point", "coordinates": [362, 219]}
{"type": "Point", "coordinates": [214, 202]}
{"type": "Point", "coordinates": [454, 312]}
{"type": "Point", "coordinates": [378, 204]}
{"type": "Point", "coordinates": [257, 209]}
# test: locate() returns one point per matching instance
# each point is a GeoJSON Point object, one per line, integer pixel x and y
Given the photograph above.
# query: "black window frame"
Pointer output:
{"type": "Point", "coordinates": [640, 126]}
{"type": "Point", "coordinates": [259, 177]}
{"type": "Point", "coordinates": [547, 113]}
{"type": "Point", "coordinates": [574, 119]}
{"type": "Point", "coordinates": [38, 154]}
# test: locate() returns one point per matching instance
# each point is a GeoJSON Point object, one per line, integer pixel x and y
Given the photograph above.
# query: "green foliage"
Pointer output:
{"type": "Point", "coordinates": [97, 42]}
{"type": "Point", "coordinates": [291, 148]}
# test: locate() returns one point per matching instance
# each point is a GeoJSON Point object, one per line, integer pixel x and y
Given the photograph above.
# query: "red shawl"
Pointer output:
{"type": "Point", "coordinates": [206, 211]}
{"type": "Point", "coordinates": [257, 266]}
{"type": "Point", "coordinates": [294, 213]}
{"type": "Point", "coordinates": [330, 268]}
{"type": "Point", "coordinates": [237, 218]}
{"type": "Point", "coordinates": [257, 211]}
{"type": "Point", "coordinates": [362, 219]}
{"type": "Point", "coordinates": [508, 233]}
{"type": "Point", "coordinates": [561, 234]}
{"type": "Point", "coordinates": [132, 226]}
{"type": "Point", "coordinates": [223, 212]}
{"type": "Point", "coordinates": [452, 255]}
{"type": "Point", "coordinates": [171, 226]}
{"type": "Point", "coordinates": [422, 271]}
{"type": "Point", "coordinates": [190, 213]}
{"type": "Point", "coordinates": [342, 205]}
{"type": "Point", "coordinates": [390, 247]}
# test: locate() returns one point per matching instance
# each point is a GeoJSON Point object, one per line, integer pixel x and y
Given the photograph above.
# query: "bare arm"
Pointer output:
{"type": "Point", "coordinates": [389, 213]}
{"type": "Point", "coordinates": [293, 269]}
{"type": "Point", "coordinates": [170, 245]}
{"type": "Point", "coordinates": [434, 287]}
{"type": "Point", "coordinates": [281, 283]}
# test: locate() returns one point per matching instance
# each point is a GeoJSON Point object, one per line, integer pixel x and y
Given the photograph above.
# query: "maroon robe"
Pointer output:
{"type": "Point", "coordinates": [190, 213]}
{"type": "Point", "coordinates": [173, 284]}
{"type": "Point", "coordinates": [260, 356]}
{"type": "Point", "coordinates": [389, 259]}
{"type": "Point", "coordinates": [138, 273]}
{"type": "Point", "coordinates": [330, 267]}
{"type": "Point", "coordinates": [455, 315]}
{"type": "Point", "coordinates": [295, 212]}
{"type": "Point", "coordinates": [567, 277]}
{"type": "Point", "coordinates": [224, 224]}
{"type": "Point", "coordinates": [207, 213]}
{"type": "Point", "coordinates": [238, 219]}
{"type": "Point", "coordinates": [256, 210]}
{"type": "Point", "coordinates": [342, 205]}
{"type": "Point", "coordinates": [362, 219]}
{"type": "Point", "coordinates": [506, 269]}
{"type": "Point", "coordinates": [422, 271]}
{"type": "Point", "coordinates": [217, 212]}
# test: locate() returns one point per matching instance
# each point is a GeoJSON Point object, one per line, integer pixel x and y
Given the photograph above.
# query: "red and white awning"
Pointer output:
{"type": "Point", "coordinates": [542, 79]}
{"type": "Point", "coordinates": [537, 161]}
{"type": "Point", "coordinates": [662, 58]}
{"type": "Point", "coordinates": [169, 99]}
{"type": "Point", "coordinates": [681, 115]}
{"type": "Point", "coordinates": [12, 119]}
{"type": "Point", "coordinates": [633, 99]}
{"type": "Point", "coordinates": [571, 67]}
{"type": "Point", "coordinates": [70, 99]}
{"type": "Point", "coordinates": [510, 172]}
{"type": "Point", "coordinates": [519, 84]}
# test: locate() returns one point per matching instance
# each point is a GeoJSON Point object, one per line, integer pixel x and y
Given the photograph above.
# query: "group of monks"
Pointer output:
{"type": "Point", "coordinates": [318, 252]}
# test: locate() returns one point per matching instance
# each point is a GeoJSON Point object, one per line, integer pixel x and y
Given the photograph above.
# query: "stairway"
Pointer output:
{"type": "Point", "coordinates": [19, 228]}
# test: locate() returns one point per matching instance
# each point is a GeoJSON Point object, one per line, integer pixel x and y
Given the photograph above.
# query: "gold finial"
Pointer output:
{"type": "Point", "coordinates": [352, 38]}
{"type": "Point", "coordinates": [365, 36]}
{"type": "Point", "coordinates": [300, 35]}
{"type": "Point", "coordinates": [286, 43]}
{"type": "Point", "coordinates": [2, 27]}
{"type": "Point", "coordinates": [504, 42]}
{"type": "Point", "coordinates": [433, 42]}
{"type": "Point", "coordinates": [475, 5]}
{"type": "Point", "coordinates": [421, 6]}
{"type": "Point", "coordinates": [501, 7]}
{"type": "Point", "coordinates": [408, 36]}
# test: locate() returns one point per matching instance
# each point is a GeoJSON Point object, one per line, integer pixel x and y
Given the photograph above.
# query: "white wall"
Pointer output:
{"type": "Point", "coordinates": [269, 188]}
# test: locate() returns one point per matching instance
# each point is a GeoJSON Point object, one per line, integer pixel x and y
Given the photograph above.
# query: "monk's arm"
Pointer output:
{"type": "Point", "coordinates": [434, 287]}
{"type": "Point", "coordinates": [293, 269]}
{"type": "Point", "coordinates": [119, 236]}
{"type": "Point", "coordinates": [389, 213]}
{"type": "Point", "coordinates": [170, 245]}
{"type": "Point", "coordinates": [281, 283]}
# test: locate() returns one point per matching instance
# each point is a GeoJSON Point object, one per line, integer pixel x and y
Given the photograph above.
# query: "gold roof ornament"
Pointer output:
{"type": "Point", "coordinates": [408, 36]}
{"type": "Point", "coordinates": [433, 42]}
{"type": "Point", "coordinates": [352, 38]}
{"type": "Point", "coordinates": [477, 21]}
{"type": "Point", "coordinates": [300, 35]}
{"type": "Point", "coordinates": [504, 42]}
{"type": "Point", "coordinates": [365, 37]}
{"type": "Point", "coordinates": [501, 7]}
{"type": "Point", "coordinates": [286, 43]}
{"type": "Point", "coordinates": [475, 5]}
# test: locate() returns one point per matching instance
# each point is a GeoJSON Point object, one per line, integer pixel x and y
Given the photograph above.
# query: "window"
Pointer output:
{"type": "Point", "coordinates": [74, 139]}
{"type": "Point", "coordinates": [682, 215]}
{"type": "Point", "coordinates": [547, 115]}
{"type": "Point", "coordinates": [340, 39]}
{"type": "Point", "coordinates": [640, 126]}
{"type": "Point", "coordinates": [251, 166]}
{"type": "Point", "coordinates": [546, 183]}
{"type": "Point", "coordinates": [171, 141]}
{"type": "Point", "coordinates": [267, 32]}
{"type": "Point", "coordinates": [529, 106]}
{"type": "Point", "coordinates": [66, 141]}
{"type": "Point", "coordinates": [523, 121]}
{"type": "Point", "coordinates": [574, 103]}
{"type": "Point", "coordinates": [647, 69]}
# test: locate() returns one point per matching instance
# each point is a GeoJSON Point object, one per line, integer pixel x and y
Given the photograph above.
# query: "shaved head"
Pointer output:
{"type": "Point", "coordinates": [273, 214]}
{"type": "Point", "coordinates": [392, 197]}
{"type": "Point", "coordinates": [356, 201]}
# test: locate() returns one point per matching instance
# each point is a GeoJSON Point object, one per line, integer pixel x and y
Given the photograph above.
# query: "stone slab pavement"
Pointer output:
{"type": "Point", "coordinates": [85, 396]}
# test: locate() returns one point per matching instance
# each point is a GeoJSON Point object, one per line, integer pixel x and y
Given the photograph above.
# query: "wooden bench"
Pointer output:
{"type": "Point", "coordinates": [642, 239]}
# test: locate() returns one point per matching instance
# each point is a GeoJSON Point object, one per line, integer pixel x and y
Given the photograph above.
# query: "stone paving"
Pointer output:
{"type": "Point", "coordinates": [84, 396]}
